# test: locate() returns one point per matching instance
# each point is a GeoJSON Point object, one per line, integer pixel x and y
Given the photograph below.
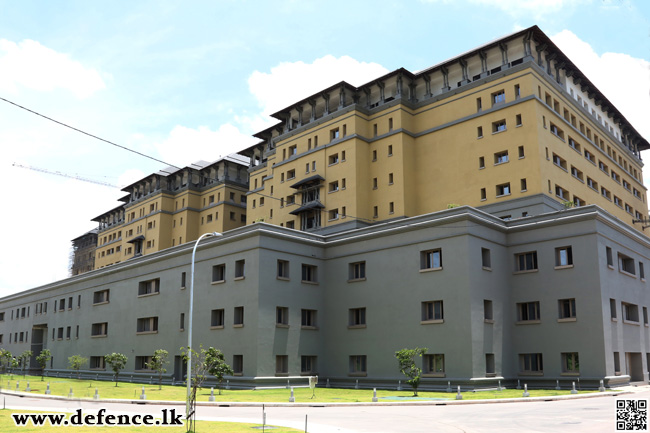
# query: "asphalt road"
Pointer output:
{"type": "Point", "coordinates": [595, 415]}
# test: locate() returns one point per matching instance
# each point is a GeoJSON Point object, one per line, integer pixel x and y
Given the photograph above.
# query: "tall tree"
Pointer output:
{"type": "Point", "coordinates": [158, 362]}
{"type": "Point", "coordinates": [43, 358]}
{"type": "Point", "coordinates": [217, 365]}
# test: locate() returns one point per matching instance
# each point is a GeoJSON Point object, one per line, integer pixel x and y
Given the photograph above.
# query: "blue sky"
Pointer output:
{"type": "Point", "coordinates": [193, 80]}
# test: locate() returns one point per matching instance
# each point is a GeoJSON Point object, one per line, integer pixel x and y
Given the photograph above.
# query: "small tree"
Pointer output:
{"type": "Point", "coordinates": [76, 362]}
{"type": "Point", "coordinates": [158, 362]}
{"type": "Point", "coordinates": [43, 358]}
{"type": "Point", "coordinates": [217, 365]}
{"type": "Point", "coordinates": [23, 360]}
{"type": "Point", "coordinates": [5, 359]}
{"type": "Point", "coordinates": [117, 361]}
{"type": "Point", "coordinates": [407, 366]}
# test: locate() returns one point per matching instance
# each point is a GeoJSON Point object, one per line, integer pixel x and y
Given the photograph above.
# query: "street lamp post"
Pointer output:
{"type": "Point", "coordinates": [189, 335]}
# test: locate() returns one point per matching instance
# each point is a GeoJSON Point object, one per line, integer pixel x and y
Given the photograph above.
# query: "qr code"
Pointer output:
{"type": "Point", "coordinates": [632, 415]}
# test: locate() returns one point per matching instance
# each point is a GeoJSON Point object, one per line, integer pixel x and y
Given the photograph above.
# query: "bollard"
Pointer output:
{"type": "Point", "coordinates": [96, 397]}
{"type": "Point", "coordinates": [526, 393]}
{"type": "Point", "coordinates": [70, 394]}
{"type": "Point", "coordinates": [18, 386]}
{"type": "Point", "coordinates": [288, 386]}
{"type": "Point", "coordinates": [518, 384]}
{"type": "Point", "coordinates": [328, 383]}
{"type": "Point", "coordinates": [499, 388]}
{"type": "Point", "coordinates": [211, 398]}
{"type": "Point", "coordinates": [448, 386]}
{"type": "Point", "coordinates": [47, 391]}
{"type": "Point", "coordinates": [228, 384]}
{"type": "Point", "coordinates": [142, 396]}
{"type": "Point", "coordinates": [459, 396]}
{"type": "Point", "coordinates": [357, 385]}
{"type": "Point", "coordinates": [557, 385]}
{"type": "Point", "coordinates": [292, 398]}
{"type": "Point", "coordinates": [399, 385]}
{"type": "Point", "coordinates": [573, 390]}
{"type": "Point", "coordinates": [602, 386]}
{"type": "Point", "coordinates": [28, 389]}
{"type": "Point", "coordinates": [374, 395]}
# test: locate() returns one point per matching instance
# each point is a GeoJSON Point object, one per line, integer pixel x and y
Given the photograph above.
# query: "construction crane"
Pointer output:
{"type": "Point", "coordinates": [69, 176]}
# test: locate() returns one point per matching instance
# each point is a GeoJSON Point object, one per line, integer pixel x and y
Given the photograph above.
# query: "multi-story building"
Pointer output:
{"type": "Point", "coordinates": [489, 208]}
{"type": "Point", "coordinates": [506, 121]}
{"type": "Point", "coordinates": [82, 257]}
{"type": "Point", "coordinates": [174, 206]}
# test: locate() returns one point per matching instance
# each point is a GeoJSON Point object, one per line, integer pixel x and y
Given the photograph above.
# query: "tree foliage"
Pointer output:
{"type": "Point", "coordinates": [23, 360]}
{"type": "Point", "coordinates": [5, 359]}
{"type": "Point", "coordinates": [157, 364]}
{"type": "Point", "coordinates": [217, 365]}
{"type": "Point", "coordinates": [408, 367]}
{"type": "Point", "coordinates": [75, 362]}
{"type": "Point", "coordinates": [117, 361]}
{"type": "Point", "coordinates": [42, 359]}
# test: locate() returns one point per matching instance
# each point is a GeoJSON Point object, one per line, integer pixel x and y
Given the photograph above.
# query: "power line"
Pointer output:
{"type": "Point", "coordinates": [89, 134]}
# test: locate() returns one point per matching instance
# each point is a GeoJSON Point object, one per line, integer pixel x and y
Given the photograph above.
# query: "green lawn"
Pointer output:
{"type": "Point", "coordinates": [86, 389]}
{"type": "Point", "coordinates": [7, 425]}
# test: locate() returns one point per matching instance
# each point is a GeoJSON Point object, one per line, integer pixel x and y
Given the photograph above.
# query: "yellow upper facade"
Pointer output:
{"type": "Point", "coordinates": [172, 207]}
{"type": "Point", "coordinates": [514, 119]}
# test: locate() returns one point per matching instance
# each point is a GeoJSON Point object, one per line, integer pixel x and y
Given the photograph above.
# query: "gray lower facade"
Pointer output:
{"type": "Point", "coordinates": [557, 296]}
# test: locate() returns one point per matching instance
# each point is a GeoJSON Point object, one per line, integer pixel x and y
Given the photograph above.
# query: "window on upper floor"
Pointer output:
{"type": "Point", "coordinates": [219, 273]}
{"type": "Point", "coordinates": [239, 317]}
{"type": "Point", "coordinates": [432, 312]}
{"type": "Point", "coordinates": [308, 319]}
{"type": "Point", "coordinates": [501, 157]}
{"type": "Point", "coordinates": [309, 273]}
{"type": "Point", "coordinates": [147, 325]}
{"type": "Point", "coordinates": [498, 97]}
{"type": "Point", "coordinates": [239, 269]}
{"type": "Point", "coordinates": [488, 315]}
{"type": "Point", "coordinates": [357, 271]}
{"type": "Point", "coordinates": [577, 174]}
{"type": "Point", "coordinates": [486, 260]}
{"type": "Point", "coordinates": [281, 316]}
{"type": "Point", "coordinates": [498, 126]}
{"type": "Point", "coordinates": [630, 312]}
{"type": "Point", "coordinates": [526, 261]}
{"type": "Point", "coordinates": [357, 317]}
{"type": "Point", "coordinates": [626, 264]}
{"type": "Point", "coordinates": [334, 186]}
{"type": "Point", "coordinates": [503, 189]}
{"type": "Point", "coordinates": [559, 161]}
{"type": "Point", "coordinates": [101, 297]}
{"type": "Point", "coordinates": [528, 311]}
{"type": "Point", "coordinates": [563, 257]}
{"type": "Point", "coordinates": [99, 329]}
{"type": "Point", "coordinates": [566, 308]}
{"type": "Point", "coordinates": [333, 159]}
{"type": "Point", "coordinates": [283, 269]}
{"type": "Point", "coordinates": [217, 318]}
{"type": "Point", "coordinates": [431, 259]}
{"type": "Point", "coordinates": [149, 287]}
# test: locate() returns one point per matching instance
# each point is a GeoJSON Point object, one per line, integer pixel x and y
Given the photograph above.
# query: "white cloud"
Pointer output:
{"type": "Point", "coordinates": [30, 65]}
{"type": "Point", "coordinates": [519, 8]}
{"type": "Point", "coordinates": [292, 81]}
{"type": "Point", "coordinates": [186, 145]}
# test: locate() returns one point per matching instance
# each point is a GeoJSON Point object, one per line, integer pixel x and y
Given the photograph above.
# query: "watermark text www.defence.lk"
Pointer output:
{"type": "Point", "coordinates": [168, 417]}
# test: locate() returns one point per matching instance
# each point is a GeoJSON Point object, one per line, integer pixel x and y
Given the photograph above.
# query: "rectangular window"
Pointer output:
{"type": "Point", "coordinates": [99, 329]}
{"type": "Point", "coordinates": [574, 145]}
{"type": "Point", "coordinates": [357, 317]}
{"type": "Point", "coordinates": [239, 268]}
{"type": "Point", "coordinates": [608, 254]}
{"type": "Point", "coordinates": [150, 287]}
{"type": "Point", "coordinates": [498, 126]}
{"type": "Point", "coordinates": [281, 316]}
{"type": "Point", "coordinates": [526, 261]}
{"type": "Point", "coordinates": [434, 364]}
{"type": "Point", "coordinates": [617, 363]}
{"type": "Point", "coordinates": [142, 363]}
{"type": "Point", "coordinates": [567, 308]}
{"type": "Point", "coordinates": [100, 297]}
{"type": "Point", "coordinates": [97, 363]}
{"type": "Point", "coordinates": [487, 310]}
{"type": "Point", "coordinates": [283, 269]}
{"type": "Point", "coordinates": [357, 271]}
{"type": "Point", "coordinates": [630, 312]}
{"type": "Point", "coordinates": [483, 194]}
{"type": "Point", "coordinates": [431, 259]}
{"type": "Point", "coordinates": [432, 311]}
{"type": "Point", "coordinates": [358, 365]}
{"type": "Point", "coordinates": [603, 167]}
{"type": "Point", "coordinates": [626, 264]}
{"type": "Point", "coordinates": [309, 273]}
{"type": "Point", "coordinates": [479, 104]}
{"type": "Point", "coordinates": [498, 97]}
{"type": "Point", "coordinates": [479, 132]}
{"type": "Point", "coordinates": [490, 369]}
{"type": "Point", "coordinates": [281, 364]}
{"type": "Point", "coordinates": [308, 318]}
{"type": "Point", "coordinates": [528, 311]}
{"type": "Point", "coordinates": [147, 325]}
{"type": "Point", "coordinates": [486, 260]}
{"type": "Point", "coordinates": [563, 256]}
{"type": "Point", "coordinates": [217, 318]}
{"type": "Point", "coordinates": [219, 273]}
{"type": "Point", "coordinates": [333, 215]}
{"type": "Point", "coordinates": [559, 161]}
{"type": "Point", "coordinates": [521, 152]}
{"type": "Point", "coordinates": [60, 334]}
{"type": "Point", "coordinates": [500, 157]}
{"type": "Point", "coordinates": [181, 325]}
{"type": "Point", "coordinates": [308, 364]}
{"type": "Point", "coordinates": [612, 308]}
{"type": "Point", "coordinates": [334, 134]}
{"type": "Point", "coordinates": [238, 364]}
{"type": "Point", "coordinates": [291, 174]}
{"type": "Point", "coordinates": [481, 162]}
{"type": "Point", "coordinates": [641, 271]}
{"type": "Point", "coordinates": [390, 150]}
{"type": "Point", "coordinates": [590, 157]}
{"type": "Point", "coordinates": [645, 315]}
{"type": "Point", "coordinates": [374, 154]}
{"type": "Point", "coordinates": [68, 333]}
{"type": "Point", "coordinates": [239, 316]}
{"type": "Point", "coordinates": [518, 119]}
{"type": "Point", "coordinates": [524, 185]}
{"type": "Point", "coordinates": [333, 186]}
{"type": "Point", "coordinates": [570, 363]}
{"type": "Point", "coordinates": [503, 189]}
{"type": "Point", "coordinates": [530, 363]}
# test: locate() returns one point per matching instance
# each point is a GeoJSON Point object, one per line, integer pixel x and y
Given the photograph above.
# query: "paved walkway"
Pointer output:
{"type": "Point", "coordinates": [589, 412]}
